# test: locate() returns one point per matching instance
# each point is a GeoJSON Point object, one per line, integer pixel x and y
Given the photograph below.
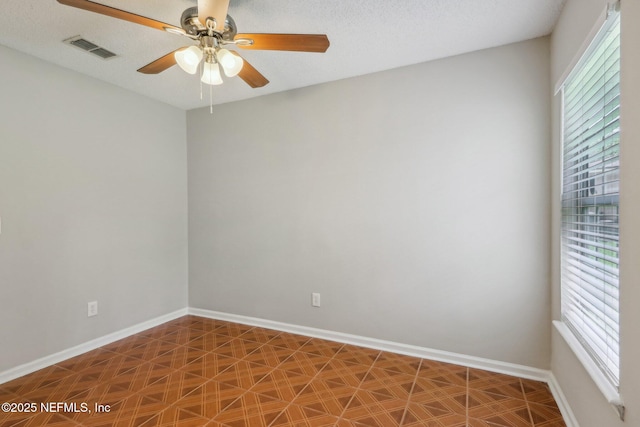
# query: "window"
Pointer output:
{"type": "Point", "coordinates": [590, 188]}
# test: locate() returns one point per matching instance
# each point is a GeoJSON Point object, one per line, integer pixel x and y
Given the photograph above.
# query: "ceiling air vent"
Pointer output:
{"type": "Point", "coordinates": [87, 46]}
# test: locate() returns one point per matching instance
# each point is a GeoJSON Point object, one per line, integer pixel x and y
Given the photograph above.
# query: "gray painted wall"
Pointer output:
{"type": "Point", "coordinates": [588, 404]}
{"type": "Point", "coordinates": [93, 205]}
{"type": "Point", "coordinates": [416, 201]}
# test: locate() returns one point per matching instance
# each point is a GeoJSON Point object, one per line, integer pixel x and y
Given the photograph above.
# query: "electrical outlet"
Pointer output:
{"type": "Point", "coordinates": [92, 308]}
{"type": "Point", "coordinates": [315, 299]}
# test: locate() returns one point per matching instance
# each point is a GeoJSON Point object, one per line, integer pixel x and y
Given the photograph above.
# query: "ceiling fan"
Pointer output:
{"type": "Point", "coordinates": [210, 26]}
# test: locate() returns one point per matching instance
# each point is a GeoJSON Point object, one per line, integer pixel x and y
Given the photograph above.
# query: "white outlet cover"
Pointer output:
{"type": "Point", "coordinates": [315, 299]}
{"type": "Point", "coordinates": [92, 308]}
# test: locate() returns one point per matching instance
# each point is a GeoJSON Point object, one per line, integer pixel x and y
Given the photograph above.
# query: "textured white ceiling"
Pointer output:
{"type": "Point", "coordinates": [366, 36]}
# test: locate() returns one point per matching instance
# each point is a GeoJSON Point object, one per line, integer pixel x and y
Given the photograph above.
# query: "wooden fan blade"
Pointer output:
{"type": "Point", "coordinates": [292, 42]}
{"type": "Point", "coordinates": [160, 64]}
{"type": "Point", "coordinates": [250, 75]}
{"type": "Point", "coordinates": [216, 9]}
{"type": "Point", "coordinates": [120, 14]}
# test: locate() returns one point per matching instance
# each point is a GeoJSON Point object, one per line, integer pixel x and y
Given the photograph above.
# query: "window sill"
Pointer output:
{"type": "Point", "coordinates": [606, 388]}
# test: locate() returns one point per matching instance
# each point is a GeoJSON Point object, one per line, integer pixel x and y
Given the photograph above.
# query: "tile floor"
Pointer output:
{"type": "Point", "coordinates": [195, 371]}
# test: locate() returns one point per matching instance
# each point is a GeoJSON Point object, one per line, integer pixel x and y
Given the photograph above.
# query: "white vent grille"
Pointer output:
{"type": "Point", "coordinates": [87, 46]}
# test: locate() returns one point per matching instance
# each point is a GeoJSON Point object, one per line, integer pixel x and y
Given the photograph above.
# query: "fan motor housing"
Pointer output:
{"type": "Point", "coordinates": [192, 25]}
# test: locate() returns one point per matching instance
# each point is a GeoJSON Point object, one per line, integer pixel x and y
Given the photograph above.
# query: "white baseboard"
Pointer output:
{"type": "Point", "coordinates": [568, 415]}
{"type": "Point", "coordinates": [52, 359]}
{"type": "Point", "coordinates": [394, 347]}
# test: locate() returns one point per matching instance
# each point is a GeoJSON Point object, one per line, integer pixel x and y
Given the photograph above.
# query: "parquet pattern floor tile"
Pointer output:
{"type": "Point", "coordinates": [194, 372]}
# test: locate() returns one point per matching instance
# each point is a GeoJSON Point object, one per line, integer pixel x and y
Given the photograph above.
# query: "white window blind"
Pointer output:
{"type": "Point", "coordinates": [590, 188]}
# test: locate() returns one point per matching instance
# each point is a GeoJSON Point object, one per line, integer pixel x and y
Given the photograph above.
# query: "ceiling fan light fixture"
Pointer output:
{"type": "Point", "coordinates": [209, 24]}
{"type": "Point", "coordinates": [211, 74]}
{"type": "Point", "coordinates": [189, 58]}
{"type": "Point", "coordinates": [231, 64]}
